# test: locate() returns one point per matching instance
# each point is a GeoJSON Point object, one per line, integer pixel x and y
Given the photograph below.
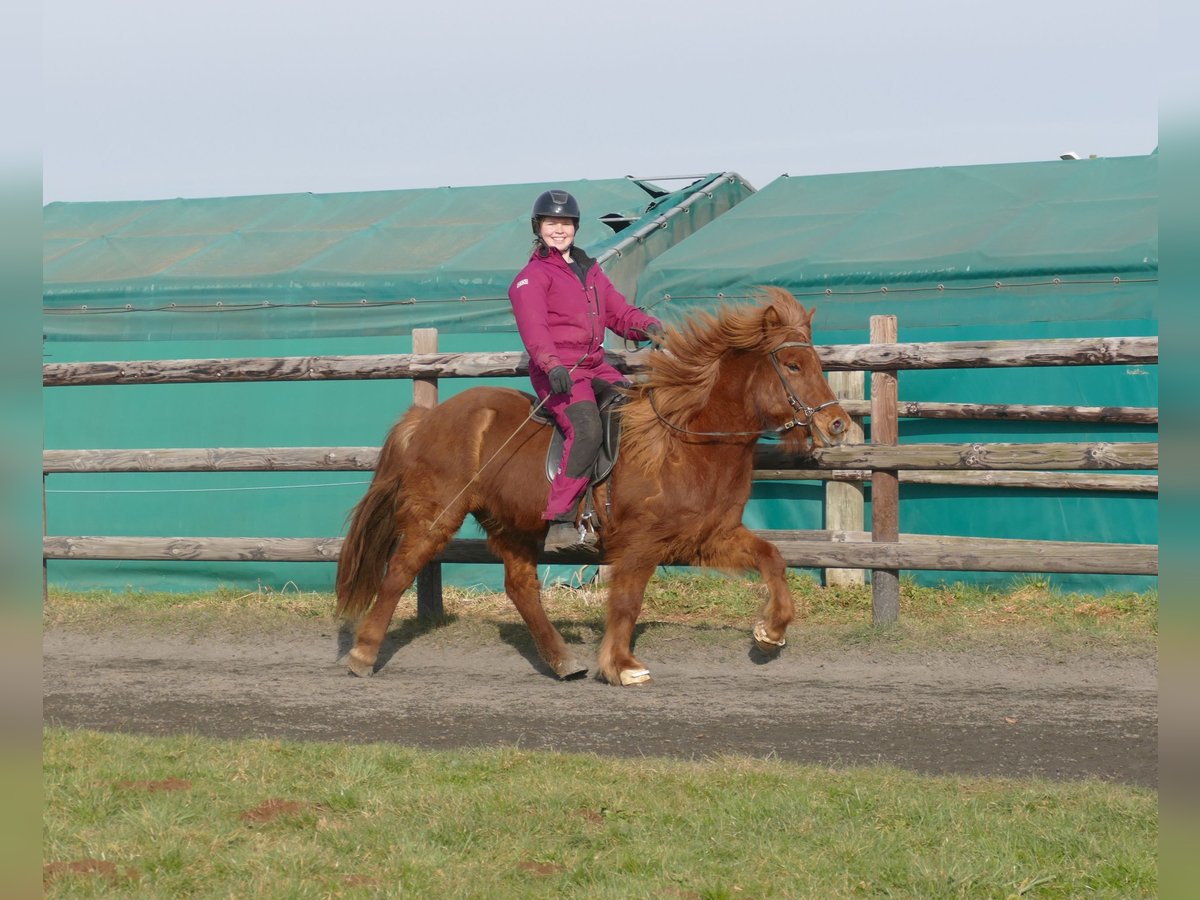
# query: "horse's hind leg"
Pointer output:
{"type": "Point", "coordinates": [523, 588]}
{"type": "Point", "coordinates": [416, 548]}
{"type": "Point", "coordinates": [425, 521]}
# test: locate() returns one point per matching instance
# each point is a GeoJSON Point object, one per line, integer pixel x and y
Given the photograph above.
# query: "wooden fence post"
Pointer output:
{"type": "Point", "coordinates": [425, 393]}
{"type": "Point", "coordinates": [885, 483]}
{"type": "Point", "coordinates": [845, 508]}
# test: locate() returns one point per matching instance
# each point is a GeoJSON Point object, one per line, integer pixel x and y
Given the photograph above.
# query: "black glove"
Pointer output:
{"type": "Point", "coordinates": [560, 380]}
{"type": "Point", "coordinates": [653, 333]}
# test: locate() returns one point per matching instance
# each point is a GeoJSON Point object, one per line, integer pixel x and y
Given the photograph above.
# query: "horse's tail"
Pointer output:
{"type": "Point", "coordinates": [373, 528]}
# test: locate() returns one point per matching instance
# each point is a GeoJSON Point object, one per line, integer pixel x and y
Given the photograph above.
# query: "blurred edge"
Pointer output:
{"type": "Point", "coordinates": [1179, 329]}
{"type": "Point", "coordinates": [20, 452]}
{"type": "Point", "coordinates": [20, 398]}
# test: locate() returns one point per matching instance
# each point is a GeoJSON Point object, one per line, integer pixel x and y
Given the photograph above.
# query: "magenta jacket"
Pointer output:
{"type": "Point", "coordinates": [561, 319]}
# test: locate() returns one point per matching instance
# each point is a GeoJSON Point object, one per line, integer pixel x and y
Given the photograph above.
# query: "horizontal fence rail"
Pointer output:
{"type": "Point", "coordinates": [1059, 481]}
{"type": "Point", "coordinates": [844, 357]}
{"type": "Point", "coordinates": [895, 357]}
{"type": "Point", "coordinates": [816, 549]}
{"type": "Point", "coordinates": [1088, 455]}
{"type": "Point", "coordinates": [1017, 412]}
{"type": "Point", "coordinates": [1097, 455]}
{"type": "Point", "coordinates": [233, 459]}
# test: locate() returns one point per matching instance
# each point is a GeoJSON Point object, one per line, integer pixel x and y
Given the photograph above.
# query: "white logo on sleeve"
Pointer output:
{"type": "Point", "coordinates": [521, 283]}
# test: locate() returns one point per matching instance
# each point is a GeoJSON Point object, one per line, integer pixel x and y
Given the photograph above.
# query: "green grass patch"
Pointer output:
{"type": "Point", "coordinates": [187, 816]}
{"type": "Point", "coordinates": [1028, 614]}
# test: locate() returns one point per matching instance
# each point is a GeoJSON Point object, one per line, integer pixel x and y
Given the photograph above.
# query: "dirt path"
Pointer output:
{"type": "Point", "coordinates": [1057, 715]}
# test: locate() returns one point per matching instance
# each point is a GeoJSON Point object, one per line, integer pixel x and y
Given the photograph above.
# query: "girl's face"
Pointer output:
{"type": "Point", "coordinates": [557, 232]}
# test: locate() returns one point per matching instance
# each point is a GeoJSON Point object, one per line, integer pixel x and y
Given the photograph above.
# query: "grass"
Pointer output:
{"type": "Point", "coordinates": [187, 816]}
{"type": "Point", "coordinates": [1027, 614]}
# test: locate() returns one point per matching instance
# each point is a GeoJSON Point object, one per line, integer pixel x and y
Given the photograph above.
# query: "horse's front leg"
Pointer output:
{"type": "Point", "coordinates": [745, 550]}
{"type": "Point", "coordinates": [627, 589]}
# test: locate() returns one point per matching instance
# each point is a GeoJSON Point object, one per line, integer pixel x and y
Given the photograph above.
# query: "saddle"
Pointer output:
{"type": "Point", "coordinates": [608, 401]}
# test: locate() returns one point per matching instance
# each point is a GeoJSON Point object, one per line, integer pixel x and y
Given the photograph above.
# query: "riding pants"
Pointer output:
{"type": "Point", "coordinates": [578, 417]}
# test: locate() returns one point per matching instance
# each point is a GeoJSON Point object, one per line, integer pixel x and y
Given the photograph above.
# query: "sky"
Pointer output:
{"type": "Point", "coordinates": [148, 99]}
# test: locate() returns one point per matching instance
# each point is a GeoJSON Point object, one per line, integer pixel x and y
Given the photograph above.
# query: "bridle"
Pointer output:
{"type": "Point", "coordinates": [799, 407]}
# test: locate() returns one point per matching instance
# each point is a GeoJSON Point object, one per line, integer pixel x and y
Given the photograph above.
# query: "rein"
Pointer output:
{"type": "Point", "coordinates": [798, 406]}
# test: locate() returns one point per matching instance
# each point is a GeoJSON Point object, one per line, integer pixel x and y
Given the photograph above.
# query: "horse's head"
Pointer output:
{"type": "Point", "coordinates": [792, 393]}
{"type": "Point", "coordinates": [729, 376]}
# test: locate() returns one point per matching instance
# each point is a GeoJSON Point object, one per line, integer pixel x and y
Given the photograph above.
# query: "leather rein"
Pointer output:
{"type": "Point", "coordinates": [799, 407]}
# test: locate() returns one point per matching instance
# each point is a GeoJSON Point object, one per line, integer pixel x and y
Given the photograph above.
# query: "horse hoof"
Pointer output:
{"type": "Point", "coordinates": [360, 667]}
{"type": "Point", "coordinates": [764, 642]}
{"type": "Point", "coordinates": [570, 669]}
{"type": "Point", "coordinates": [634, 676]}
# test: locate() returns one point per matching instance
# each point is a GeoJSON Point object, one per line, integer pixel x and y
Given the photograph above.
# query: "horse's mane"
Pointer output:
{"type": "Point", "coordinates": [682, 379]}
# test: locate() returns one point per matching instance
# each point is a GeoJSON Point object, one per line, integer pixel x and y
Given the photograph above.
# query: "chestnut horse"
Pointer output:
{"type": "Point", "coordinates": [676, 493]}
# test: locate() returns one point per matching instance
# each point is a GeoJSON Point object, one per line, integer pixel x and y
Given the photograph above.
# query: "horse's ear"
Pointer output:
{"type": "Point", "coordinates": [771, 324]}
{"type": "Point", "coordinates": [779, 312]}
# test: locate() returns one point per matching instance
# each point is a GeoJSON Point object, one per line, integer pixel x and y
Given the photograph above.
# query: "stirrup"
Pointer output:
{"type": "Point", "coordinates": [568, 536]}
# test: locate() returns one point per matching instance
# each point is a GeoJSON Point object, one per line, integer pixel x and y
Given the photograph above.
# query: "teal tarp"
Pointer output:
{"type": "Point", "coordinates": [1073, 245]}
{"type": "Point", "coordinates": [225, 504]}
{"type": "Point", "coordinates": [948, 234]}
{"type": "Point", "coordinates": [973, 253]}
{"type": "Point", "coordinates": [297, 275]}
{"type": "Point", "coordinates": [313, 265]}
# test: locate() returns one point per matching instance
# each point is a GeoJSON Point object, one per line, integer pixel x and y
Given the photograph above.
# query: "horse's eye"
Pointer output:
{"type": "Point", "coordinates": [792, 367]}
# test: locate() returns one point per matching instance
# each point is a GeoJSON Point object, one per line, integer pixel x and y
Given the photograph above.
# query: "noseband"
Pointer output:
{"type": "Point", "coordinates": [798, 406]}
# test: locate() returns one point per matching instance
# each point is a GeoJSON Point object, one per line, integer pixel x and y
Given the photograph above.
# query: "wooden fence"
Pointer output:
{"type": "Point", "coordinates": [847, 547]}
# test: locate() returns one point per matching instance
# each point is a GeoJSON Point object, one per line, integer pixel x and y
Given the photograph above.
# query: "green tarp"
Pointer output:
{"type": "Point", "coordinates": [1073, 246]}
{"type": "Point", "coordinates": [974, 253]}
{"type": "Point", "coordinates": [929, 245]}
{"type": "Point", "coordinates": [313, 265]}
{"type": "Point", "coordinates": [297, 275]}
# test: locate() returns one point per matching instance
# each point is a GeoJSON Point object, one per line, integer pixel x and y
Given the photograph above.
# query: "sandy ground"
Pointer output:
{"type": "Point", "coordinates": [1056, 714]}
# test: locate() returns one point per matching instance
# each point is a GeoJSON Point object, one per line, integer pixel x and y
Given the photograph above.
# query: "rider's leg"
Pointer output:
{"type": "Point", "coordinates": [578, 418]}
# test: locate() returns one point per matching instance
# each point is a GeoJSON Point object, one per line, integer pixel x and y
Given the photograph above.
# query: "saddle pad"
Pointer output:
{"type": "Point", "coordinates": [610, 438]}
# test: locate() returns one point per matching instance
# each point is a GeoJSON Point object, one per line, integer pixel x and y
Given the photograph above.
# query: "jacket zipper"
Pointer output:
{"type": "Point", "coordinates": [589, 295]}
{"type": "Point", "coordinates": [593, 308]}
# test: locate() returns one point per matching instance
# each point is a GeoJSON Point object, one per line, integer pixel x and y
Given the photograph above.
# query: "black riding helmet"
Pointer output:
{"type": "Point", "coordinates": [554, 203]}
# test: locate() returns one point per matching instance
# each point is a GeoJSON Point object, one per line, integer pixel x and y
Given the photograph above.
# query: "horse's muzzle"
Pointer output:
{"type": "Point", "coordinates": [829, 427]}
